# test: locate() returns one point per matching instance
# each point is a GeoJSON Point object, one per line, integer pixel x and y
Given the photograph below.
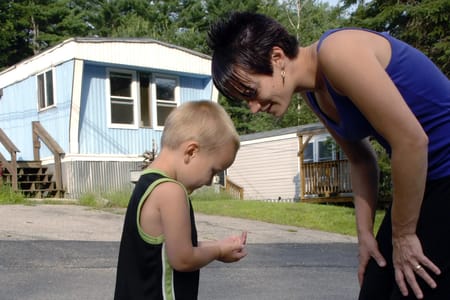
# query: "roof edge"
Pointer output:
{"type": "Point", "coordinates": [298, 130]}
{"type": "Point", "coordinates": [95, 40]}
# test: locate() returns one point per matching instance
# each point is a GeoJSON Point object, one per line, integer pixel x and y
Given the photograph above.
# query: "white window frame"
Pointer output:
{"type": "Point", "coordinates": [46, 92]}
{"type": "Point", "coordinates": [326, 139]}
{"type": "Point", "coordinates": [315, 144]}
{"type": "Point", "coordinates": [156, 101]}
{"type": "Point", "coordinates": [134, 99]}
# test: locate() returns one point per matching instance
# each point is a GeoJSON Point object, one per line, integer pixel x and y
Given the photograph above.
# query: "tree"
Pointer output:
{"type": "Point", "coordinates": [14, 44]}
{"type": "Point", "coordinates": [30, 26]}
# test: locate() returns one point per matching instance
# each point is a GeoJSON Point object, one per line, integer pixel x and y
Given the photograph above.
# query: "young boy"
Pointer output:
{"type": "Point", "coordinates": [160, 256]}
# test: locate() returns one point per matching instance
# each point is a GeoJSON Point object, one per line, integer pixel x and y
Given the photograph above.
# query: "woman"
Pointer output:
{"type": "Point", "coordinates": [361, 83]}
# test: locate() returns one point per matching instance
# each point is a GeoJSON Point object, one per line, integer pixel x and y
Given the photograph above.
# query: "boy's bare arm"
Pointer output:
{"type": "Point", "coordinates": [176, 225]}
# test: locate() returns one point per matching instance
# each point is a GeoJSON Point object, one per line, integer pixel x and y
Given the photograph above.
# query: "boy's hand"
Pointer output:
{"type": "Point", "coordinates": [244, 237]}
{"type": "Point", "coordinates": [233, 248]}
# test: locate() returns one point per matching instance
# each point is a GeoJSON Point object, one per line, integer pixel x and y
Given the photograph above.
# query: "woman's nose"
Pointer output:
{"type": "Point", "coordinates": [254, 106]}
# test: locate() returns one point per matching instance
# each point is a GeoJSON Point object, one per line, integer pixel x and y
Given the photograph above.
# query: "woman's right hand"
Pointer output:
{"type": "Point", "coordinates": [367, 248]}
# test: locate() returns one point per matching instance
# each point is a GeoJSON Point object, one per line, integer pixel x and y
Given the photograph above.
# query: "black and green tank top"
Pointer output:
{"type": "Point", "coordinates": [143, 271]}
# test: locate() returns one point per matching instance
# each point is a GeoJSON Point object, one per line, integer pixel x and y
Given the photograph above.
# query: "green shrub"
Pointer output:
{"type": "Point", "coordinates": [118, 199]}
{"type": "Point", "coordinates": [209, 194]}
{"type": "Point", "coordinates": [8, 196]}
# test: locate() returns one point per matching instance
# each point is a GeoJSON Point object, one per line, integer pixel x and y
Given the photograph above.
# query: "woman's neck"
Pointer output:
{"type": "Point", "coordinates": [306, 69]}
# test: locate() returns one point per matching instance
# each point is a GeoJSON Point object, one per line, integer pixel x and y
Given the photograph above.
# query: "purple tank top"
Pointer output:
{"type": "Point", "coordinates": [425, 89]}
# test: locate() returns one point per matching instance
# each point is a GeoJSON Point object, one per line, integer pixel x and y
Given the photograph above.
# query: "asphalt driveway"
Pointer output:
{"type": "Point", "coordinates": [70, 252]}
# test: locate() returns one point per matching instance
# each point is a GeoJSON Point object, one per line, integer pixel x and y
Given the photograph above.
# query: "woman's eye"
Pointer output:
{"type": "Point", "coordinates": [250, 93]}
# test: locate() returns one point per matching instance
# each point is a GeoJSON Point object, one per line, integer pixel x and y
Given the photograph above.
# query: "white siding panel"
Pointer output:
{"type": "Point", "coordinates": [268, 170]}
{"type": "Point", "coordinates": [129, 52]}
{"type": "Point", "coordinates": [145, 55]}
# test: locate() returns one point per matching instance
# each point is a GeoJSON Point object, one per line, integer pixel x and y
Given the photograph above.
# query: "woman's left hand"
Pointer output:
{"type": "Point", "coordinates": [409, 262]}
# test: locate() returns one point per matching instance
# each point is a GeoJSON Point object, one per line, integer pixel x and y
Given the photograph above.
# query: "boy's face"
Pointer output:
{"type": "Point", "coordinates": [203, 165]}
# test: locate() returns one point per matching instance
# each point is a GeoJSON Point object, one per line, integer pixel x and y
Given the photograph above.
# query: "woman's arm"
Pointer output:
{"type": "Point", "coordinates": [354, 62]}
{"type": "Point", "coordinates": [364, 176]}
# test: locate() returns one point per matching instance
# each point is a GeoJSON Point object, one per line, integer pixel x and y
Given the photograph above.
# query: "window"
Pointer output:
{"type": "Point", "coordinates": [321, 148]}
{"type": "Point", "coordinates": [326, 149]}
{"type": "Point", "coordinates": [140, 99]}
{"type": "Point", "coordinates": [308, 153]}
{"type": "Point", "coordinates": [144, 100]}
{"type": "Point", "coordinates": [45, 89]}
{"type": "Point", "coordinates": [166, 89]}
{"type": "Point", "coordinates": [121, 88]}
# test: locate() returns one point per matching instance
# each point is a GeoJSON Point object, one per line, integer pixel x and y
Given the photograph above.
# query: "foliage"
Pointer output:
{"type": "Point", "coordinates": [309, 19]}
{"type": "Point", "coordinates": [30, 26]}
{"type": "Point", "coordinates": [8, 196]}
{"type": "Point", "coordinates": [207, 193]}
{"type": "Point", "coordinates": [118, 199]}
{"type": "Point", "coordinates": [385, 181]}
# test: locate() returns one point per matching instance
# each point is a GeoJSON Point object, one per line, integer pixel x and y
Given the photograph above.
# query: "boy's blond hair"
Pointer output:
{"type": "Point", "coordinates": [203, 121]}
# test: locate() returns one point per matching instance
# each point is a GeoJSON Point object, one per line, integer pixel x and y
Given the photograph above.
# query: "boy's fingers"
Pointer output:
{"type": "Point", "coordinates": [244, 237]}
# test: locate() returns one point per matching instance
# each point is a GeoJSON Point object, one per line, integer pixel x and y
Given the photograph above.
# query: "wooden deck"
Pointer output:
{"type": "Point", "coordinates": [327, 181]}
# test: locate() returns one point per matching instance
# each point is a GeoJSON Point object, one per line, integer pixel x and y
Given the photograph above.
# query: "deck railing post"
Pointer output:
{"type": "Point", "coordinates": [10, 166]}
{"type": "Point", "coordinates": [39, 133]}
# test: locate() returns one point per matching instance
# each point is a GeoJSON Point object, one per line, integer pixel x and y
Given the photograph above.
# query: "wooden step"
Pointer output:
{"type": "Point", "coordinates": [33, 180]}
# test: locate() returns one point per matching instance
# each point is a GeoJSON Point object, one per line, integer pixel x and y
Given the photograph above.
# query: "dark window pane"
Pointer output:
{"type": "Point", "coordinates": [41, 90]}
{"type": "Point", "coordinates": [308, 155]}
{"type": "Point", "coordinates": [121, 112]}
{"type": "Point", "coordinates": [49, 87]}
{"type": "Point", "coordinates": [325, 150]}
{"type": "Point", "coordinates": [144, 82]}
{"type": "Point", "coordinates": [120, 84]}
{"type": "Point", "coordinates": [165, 89]}
{"type": "Point", "coordinates": [163, 112]}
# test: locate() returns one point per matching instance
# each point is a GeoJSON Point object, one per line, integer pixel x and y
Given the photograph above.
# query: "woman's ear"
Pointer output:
{"type": "Point", "coordinates": [190, 151]}
{"type": "Point", "coordinates": [277, 57]}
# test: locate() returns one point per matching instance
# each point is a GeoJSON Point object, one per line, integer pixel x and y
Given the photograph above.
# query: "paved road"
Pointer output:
{"type": "Point", "coordinates": [70, 252]}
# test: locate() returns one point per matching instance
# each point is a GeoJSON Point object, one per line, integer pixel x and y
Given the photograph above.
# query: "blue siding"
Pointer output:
{"type": "Point", "coordinates": [95, 136]}
{"type": "Point", "coordinates": [56, 119]}
{"type": "Point", "coordinates": [18, 108]}
{"type": "Point", "coordinates": [193, 88]}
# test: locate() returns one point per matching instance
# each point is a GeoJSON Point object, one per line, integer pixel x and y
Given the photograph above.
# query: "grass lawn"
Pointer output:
{"type": "Point", "coordinates": [330, 218]}
{"type": "Point", "coordinates": [325, 217]}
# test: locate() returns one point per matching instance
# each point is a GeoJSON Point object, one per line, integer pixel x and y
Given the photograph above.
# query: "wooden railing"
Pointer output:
{"type": "Point", "coordinates": [12, 165]}
{"type": "Point", "coordinates": [39, 133]}
{"type": "Point", "coordinates": [325, 179]}
{"type": "Point", "coordinates": [233, 189]}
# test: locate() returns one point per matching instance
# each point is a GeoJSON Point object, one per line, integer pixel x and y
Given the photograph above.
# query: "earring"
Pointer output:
{"type": "Point", "coordinates": [283, 75]}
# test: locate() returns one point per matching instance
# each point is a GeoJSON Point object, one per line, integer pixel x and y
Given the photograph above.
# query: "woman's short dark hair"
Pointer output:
{"type": "Point", "coordinates": [243, 42]}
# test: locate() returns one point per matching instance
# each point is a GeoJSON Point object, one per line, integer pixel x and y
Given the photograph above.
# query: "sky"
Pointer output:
{"type": "Point", "coordinates": [331, 2]}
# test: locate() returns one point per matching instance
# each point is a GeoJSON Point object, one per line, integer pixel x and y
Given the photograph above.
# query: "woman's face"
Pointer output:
{"type": "Point", "coordinates": [272, 95]}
